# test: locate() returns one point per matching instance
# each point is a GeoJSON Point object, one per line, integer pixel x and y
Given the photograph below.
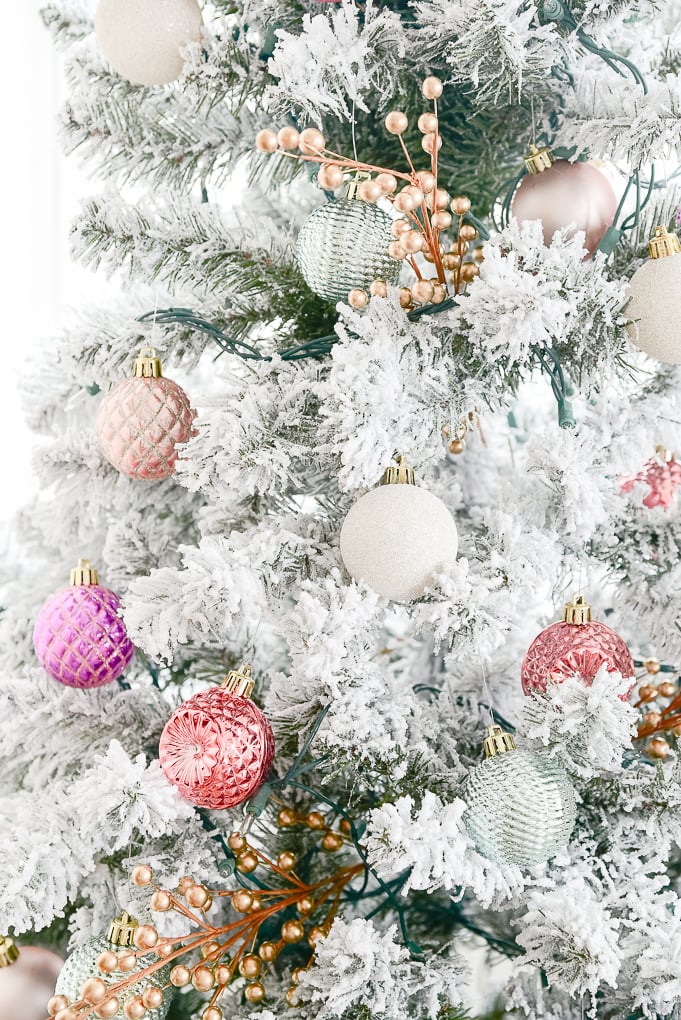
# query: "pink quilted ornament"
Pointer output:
{"type": "Point", "coordinates": [576, 646]}
{"type": "Point", "coordinates": [79, 637]}
{"type": "Point", "coordinates": [217, 748]}
{"type": "Point", "coordinates": [142, 420]}
{"type": "Point", "coordinates": [662, 475]}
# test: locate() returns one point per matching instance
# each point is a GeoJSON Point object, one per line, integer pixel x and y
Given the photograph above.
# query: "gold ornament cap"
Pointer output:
{"type": "Point", "coordinates": [239, 681]}
{"type": "Point", "coordinates": [353, 185]}
{"type": "Point", "coordinates": [122, 930]}
{"type": "Point", "coordinates": [399, 475]}
{"type": "Point", "coordinates": [9, 953]}
{"type": "Point", "coordinates": [662, 243]}
{"type": "Point", "coordinates": [539, 159]}
{"type": "Point", "coordinates": [84, 573]}
{"type": "Point", "coordinates": [578, 611]}
{"type": "Point", "coordinates": [497, 742]}
{"type": "Point", "coordinates": [147, 364]}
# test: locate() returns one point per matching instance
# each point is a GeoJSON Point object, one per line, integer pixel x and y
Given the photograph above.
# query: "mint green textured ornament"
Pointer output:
{"type": "Point", "coordinates": [521, 805]}
{"type": "Point", "coordinates": [82, 964]}
{"type": "Point", "coordinates": [343, 245]}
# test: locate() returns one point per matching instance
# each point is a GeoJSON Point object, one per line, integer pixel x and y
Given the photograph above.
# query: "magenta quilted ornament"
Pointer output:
{"type": "Point", "coordinates": [218, 747]}
{"type": "Point", "coordinates": [79, 637]}
{"type": "Point", "coordinates": [576, 646]}
{"type": "Point", "coordinates": [142, 421]}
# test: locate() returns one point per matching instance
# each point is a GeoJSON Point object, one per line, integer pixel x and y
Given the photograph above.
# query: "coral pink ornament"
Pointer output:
{"type": "Point", "coordinates": [217, 748]}
{"type": "Point", "coordinates": [143, 420]}
{"type": "Point", "coordinates": [578, 646]}
{"type": "Point", "coordinates": [560, 193]}
{"type": "Point", "coordinates": [79, 637]}
{"type": "Point", "coordinates": [662, 475]}
{"type": "Point", "coordinates": [28, 976]}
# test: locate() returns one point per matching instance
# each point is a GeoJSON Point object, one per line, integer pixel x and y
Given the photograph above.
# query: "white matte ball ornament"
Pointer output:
{"type": "Point", "coordinates": [142, 39]}
{"type": "Point", "coordinates": [396, 538]}
{"type": "Point", "coordinates": [653, 311]}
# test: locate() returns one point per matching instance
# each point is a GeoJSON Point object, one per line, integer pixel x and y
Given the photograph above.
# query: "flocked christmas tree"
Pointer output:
{"type": "Point", "coordinates": [293, 742]}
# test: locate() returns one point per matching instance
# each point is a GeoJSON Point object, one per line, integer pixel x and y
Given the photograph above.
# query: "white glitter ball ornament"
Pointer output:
{"type": "Point", "coordinates": [142, 39]}
{"type": "Point", "coordinates": [653, 311]}
{"type": "Point", "coordinates": [398, 536]}
{"type": "Point", "coordinates": [81, 965]}
{"type": "Point", "coordinates": [343, 245]}
{"type": "Point", "coordinates": [521, 805]}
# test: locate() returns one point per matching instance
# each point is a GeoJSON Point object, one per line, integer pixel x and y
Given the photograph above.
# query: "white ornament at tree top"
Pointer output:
{"type": "Point", "coordinates": [653, 310]}
{"type": "Point", "coordinates": [398, 536]}
{"type": "Point", "coordinates": [142, 39]}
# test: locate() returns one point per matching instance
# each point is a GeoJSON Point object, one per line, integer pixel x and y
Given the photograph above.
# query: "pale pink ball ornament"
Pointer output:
{"type": "Point", "coordinates": [142, 421]}
{"type": "Point", "coordinates": [143, 39]}
{"type": "Point", "coordinates": [560, 193]}
{"type": "Point", "coordinates": [218, 747]}
{"type": "Point", "coordinates": [28, 976]}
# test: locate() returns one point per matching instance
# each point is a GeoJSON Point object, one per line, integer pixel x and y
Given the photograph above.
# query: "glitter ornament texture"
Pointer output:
{"type": "Point", "coordinates": [218, 747]}
{"type": "Point", "coordinates": [577, 646]}
{"type": "Point", "coordinates": [142, 39]}
{"type": "Point", "coordinates": [79, 637]}
{"type": "Point", "coordinates": [141, 421]}
{"type": "Point", "coordinates": [27, 984]}
{"type": "Point", "coordinates": [343, 245]}
{"type": "Point", "coordinates": [655, 324]}
{"type": "Point", "coordinates": [567, 193]}
{"type": "Point", "coordinates": [521, 805]}
{"type": "Point", "coordinates": [396, 538]}
{"type": "Point", "coordinates": [82, 964]}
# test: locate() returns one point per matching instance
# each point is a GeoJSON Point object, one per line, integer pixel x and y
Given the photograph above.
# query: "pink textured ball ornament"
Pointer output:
{"type": "Point", "coordinates": [662, 475]}
{"type": "Point", "coordinates": [27, 980]}
{"type": "Point", "coordinates": [143, 420]}
{"type": "Point", "coordinates": [560, 193]}
{"type": "Point", "coordinates": [79, 637]}
{"type": "Point", "coordinates": [576, 646]}
{"type": "Point", "coordinates": [217, 748]}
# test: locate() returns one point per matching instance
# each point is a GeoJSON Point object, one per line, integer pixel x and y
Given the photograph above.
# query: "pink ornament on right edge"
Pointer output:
{"type": "Point", "coordinates": [142, 421]}
{"type": "Point", "coordinates": [559, 193]}
{"type": "Point", "coordinates": [578, 646]}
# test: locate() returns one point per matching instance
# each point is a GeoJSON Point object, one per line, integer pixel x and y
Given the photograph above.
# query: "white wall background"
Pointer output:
{"type": "Point", "coordinates": [39, 193]}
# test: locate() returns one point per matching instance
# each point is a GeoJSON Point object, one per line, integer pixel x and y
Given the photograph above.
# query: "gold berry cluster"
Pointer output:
{"type": "Point", "coordinates": [431, 222]}
{"type": "Point", "coordinates": [660, 704]}
{"type": "Point", "coordinates": [212, 957]}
